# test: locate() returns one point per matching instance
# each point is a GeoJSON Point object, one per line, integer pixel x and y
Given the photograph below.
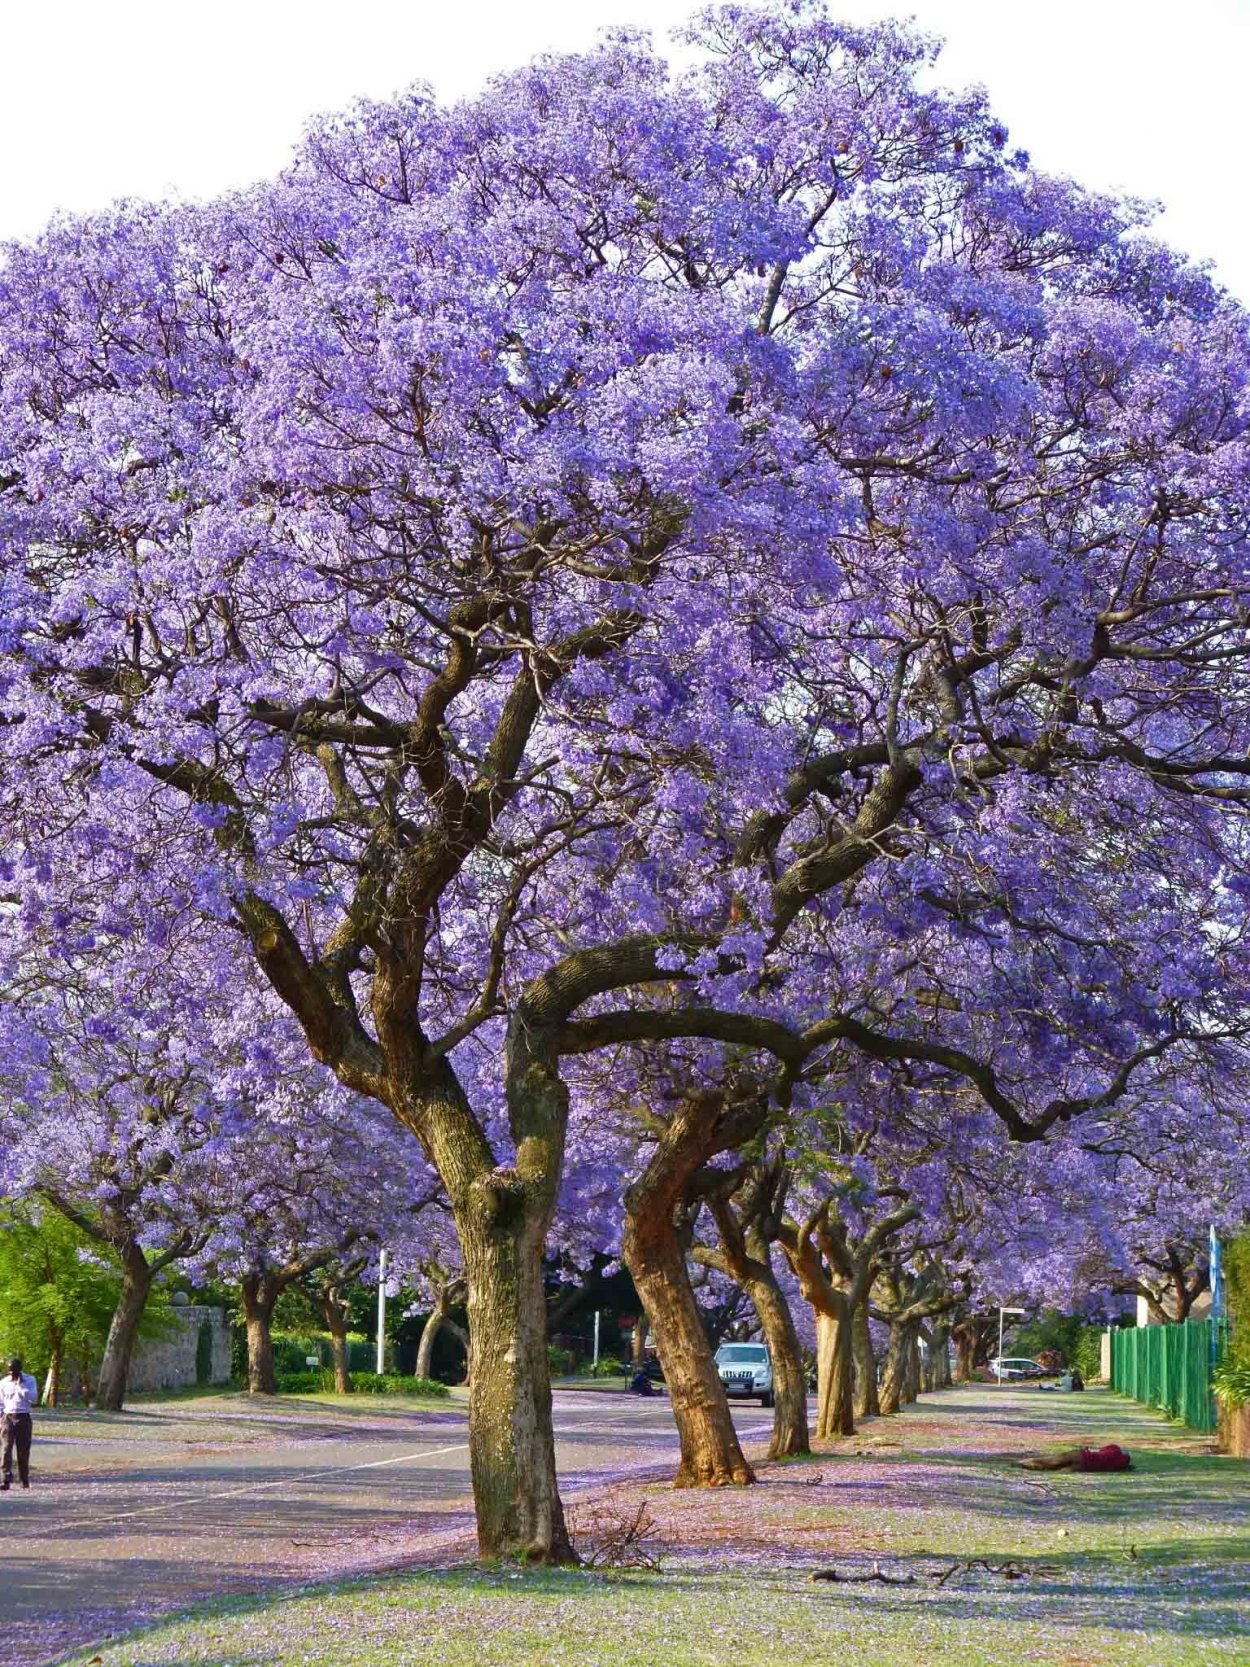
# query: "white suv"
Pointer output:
{"type": "Point", "coordinates": [746, 1370]}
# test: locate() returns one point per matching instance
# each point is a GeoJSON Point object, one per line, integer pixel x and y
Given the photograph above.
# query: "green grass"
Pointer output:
{"type": "Point", "coordinates": [187, 1392]}
{"type": "Point", "coordinates": [613, 1385]}
{"type": "Point", "coordinates": [1148, 1569]}
{"type": "Point", "coordinates": [467, 1618]}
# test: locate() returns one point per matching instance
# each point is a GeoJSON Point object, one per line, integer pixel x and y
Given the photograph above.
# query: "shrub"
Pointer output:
{"type": "Point", "coordinates": [559, 1361]}
{"type": "Point", "coordinates": [396, 1383]}
{"type": "Point", "coordinates": [1058, 1340]}
{"type": "Point", "coordinates": [609, 1367]}
{"type": "Point", "coordinates": [1087, 1355]}
{"type": "Point", "coordinates": [291, 1351]}
{"type": "Point", "coordinates": [306, 1382]}
{"type": "Point", "coordinates": [309, 1382]}
{"type": "Point", "coordinates": [1237, 1285]}
{"type": "Point", "coordinates": [1231, 1382]}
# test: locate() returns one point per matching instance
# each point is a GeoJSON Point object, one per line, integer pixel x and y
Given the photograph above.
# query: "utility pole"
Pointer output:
{"type": "Point", "coordinates": [1001, 1312]}
{"type": "Point", "coordinates": [596, 1360]}
{"type": "Point", "coordinates": [381, 1312]}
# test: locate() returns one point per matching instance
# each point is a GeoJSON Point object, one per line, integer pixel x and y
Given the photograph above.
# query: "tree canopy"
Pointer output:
{"type": "Point", "coordinates": [729, 574]}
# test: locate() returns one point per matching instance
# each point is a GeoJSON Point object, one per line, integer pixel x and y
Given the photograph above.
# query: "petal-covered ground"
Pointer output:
{"type": "Point", "coordinates": [944, 1551]}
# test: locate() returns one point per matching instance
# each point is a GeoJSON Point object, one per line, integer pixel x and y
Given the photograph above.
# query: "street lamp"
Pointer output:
{"type": "Point", "coordinates": [1001, 1312]}
{"type": "Point", "coordinates": [382, 1312]}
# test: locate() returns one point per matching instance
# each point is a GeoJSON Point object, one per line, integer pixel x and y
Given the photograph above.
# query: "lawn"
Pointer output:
{"type": "Point", "coordinates": [1147, 1569]}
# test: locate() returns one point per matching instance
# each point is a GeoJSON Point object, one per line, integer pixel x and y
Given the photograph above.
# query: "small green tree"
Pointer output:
{"type": "Point", "coordinates": [1068, 1339]}
{"type": "Point", "coordinates": [58, 1292]}
{"type": "Point", "coordinates": [1236, 1258]}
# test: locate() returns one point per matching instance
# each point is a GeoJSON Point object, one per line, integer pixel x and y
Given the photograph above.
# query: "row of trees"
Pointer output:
{"type": "Point", "coordinates": [688, 621]}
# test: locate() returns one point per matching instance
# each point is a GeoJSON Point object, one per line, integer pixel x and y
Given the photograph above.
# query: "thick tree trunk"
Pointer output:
{"type": "Point", "coordinates": [340, 1356]}
{"type": "Point", "coordinates": [835, 1406]}
{"type": "Point", "coordinates": [638, 1342]}
{"type": "Point", "coordinates": [746, 1256]}
{"type": "Point", "coordinates": [965, 1352]}
{"type": "Point", "coordinates": [939, 1355]}
{"type": "Point", "coordinates": [334, 1313]}
{"type": "Point", "coordinates": [911, 1365]}
{"type": "Point", "coordinates": [894, 1373]}
{"type": "Point", "coordinates": [710, 1452]}
{"type": "Point", "coordinates": [835, 1409]}
{"type": "Point", "coordinates": [259, 1296]}
{"type": "Point", "coordinates": [867, 1403]}
{"type": "Point", "coordinates": [110, 1390]}
{"type": "Point", "coordinates": [790, 1432]}
{"type": "Point", "coordinates": [429, 1334]}
{"type": "Point", "coordinates": [511, 1441]}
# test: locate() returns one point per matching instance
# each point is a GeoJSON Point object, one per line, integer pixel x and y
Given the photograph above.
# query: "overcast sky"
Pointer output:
{"type": "Point", "coordinates": [158, 97]}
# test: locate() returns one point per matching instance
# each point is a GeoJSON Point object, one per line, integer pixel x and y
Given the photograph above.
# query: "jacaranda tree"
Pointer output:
{"type": "Point", "coordinates": [536, 565]}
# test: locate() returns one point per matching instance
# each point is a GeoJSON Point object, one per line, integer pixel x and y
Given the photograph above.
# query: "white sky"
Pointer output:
{"type": "Point", "coordinates": [107, 98]}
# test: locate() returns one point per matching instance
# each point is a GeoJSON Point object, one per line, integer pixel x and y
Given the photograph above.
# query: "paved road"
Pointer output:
{"type": "Point", "coordinates": [142, 1512]}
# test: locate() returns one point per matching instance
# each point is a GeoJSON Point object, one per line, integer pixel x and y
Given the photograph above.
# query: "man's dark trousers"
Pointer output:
{"type": "Point", "coordinates": [17, 1434]}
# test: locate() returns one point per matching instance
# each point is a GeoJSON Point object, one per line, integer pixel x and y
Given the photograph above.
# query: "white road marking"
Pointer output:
{"type": "Point", "coordinates": [298, 1477]}
{"type": "Point", "coordinates": [254, 1487]}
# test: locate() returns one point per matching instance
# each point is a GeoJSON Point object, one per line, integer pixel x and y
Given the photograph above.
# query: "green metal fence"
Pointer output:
{"type": "Point", "coordinates": [1169, 1367]}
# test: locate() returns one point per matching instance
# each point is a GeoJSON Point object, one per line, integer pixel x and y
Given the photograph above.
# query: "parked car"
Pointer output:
{"type": "Point", "coordinates": [1012, 1366]}
{"type": "Point", "coordinates": [746, 1370]}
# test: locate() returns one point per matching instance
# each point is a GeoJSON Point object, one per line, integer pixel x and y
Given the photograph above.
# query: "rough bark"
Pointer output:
{"type": "Point", "coordinates": [791, 1437]}
{"type": "Point", "coordinates": [834, 1277]}
{"type": "Point", "coordinates": [655, 1254]}
{"type": "Point", "coordinates": [895, 1369]}
{"type": "Point", "coordinates": [910, 1296]}
{"type": "Point", "coordinates": [835, 1406]}
{"type": "Point", "coordinates": [913, 1381]}
{"type": "Point", "coordinates": [939, 1355]}
{"type": "Point", "coordinates": [835, 1413]}
{"type": "Point", "coordinates": [334, 1313]}
{"type": "Point", "coordinates": [867, 1402]}
{"type": "Point", "coordinates": [911, 1366]}
{"type": "Point", "coordinates": [260, 1293]}
{"type": "Point", "coordinates": [745, 1255]}
{"type": "Point", "coordinates": [429, 1335]}
{"type": "Point", "coordinates": [710, 1452]}
{"type": "Point", "coordinates": [972, 1335]}
{"type": "Point", "coordinates": [511, 1441]}
{"type": "Point", "coordinates": [340, 1359]}
{"type": "Point", "coordinates": [110, 1392]}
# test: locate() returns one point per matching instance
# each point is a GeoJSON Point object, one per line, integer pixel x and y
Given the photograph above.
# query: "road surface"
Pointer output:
{"type": "Point", "coordinates": [138, 1513]}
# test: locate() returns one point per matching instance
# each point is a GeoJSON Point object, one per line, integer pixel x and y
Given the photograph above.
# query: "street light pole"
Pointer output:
{"type": "Point", "coordinates": [381, 1312]}
{"type": "Point", "coordinates": [1001, 1312]}
{"type": "Point", "coordinates": [596, 1339]}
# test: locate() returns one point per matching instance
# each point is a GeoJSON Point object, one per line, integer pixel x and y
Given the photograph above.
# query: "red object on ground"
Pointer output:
{"type": "Point", "coordinates": [1109, 1457]}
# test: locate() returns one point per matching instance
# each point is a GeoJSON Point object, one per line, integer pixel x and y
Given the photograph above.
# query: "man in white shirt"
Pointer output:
{"type": "Point", "coordinates": [18, 1394]}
